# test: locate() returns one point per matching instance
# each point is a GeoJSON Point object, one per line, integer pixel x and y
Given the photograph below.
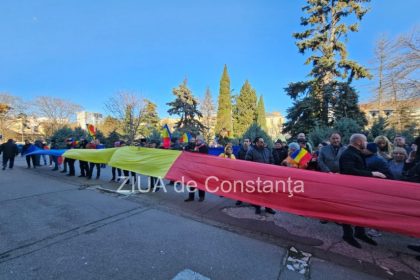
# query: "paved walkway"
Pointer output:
{"type": "Point", "coordinates": [58, 227]}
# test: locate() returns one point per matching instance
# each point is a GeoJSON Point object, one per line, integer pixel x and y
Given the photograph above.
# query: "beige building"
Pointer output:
{"type": "Point", "coordinates": [398, 114]}
{"type": "Point", "coordinates": [275, 123]}
{"type": "Point", "coordinates": [84, 118]}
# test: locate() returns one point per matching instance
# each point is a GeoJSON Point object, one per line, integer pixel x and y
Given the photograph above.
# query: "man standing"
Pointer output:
{"type": "Point", "coordinates": [242, 154]}
{"type": "Point", "coordinates": [301, 138]}
{"type": "Point", "coordinates": [54, 146]}
{"type": "Point", "coordinates": [328, 159]}
{"type": "Point", "coordinates": [352, 162]}
{"type": "Point", "coordinates": [26, 149]}
{"type": "Point", "coordinates": [259, 153]}
{"type": "Point", "coordinates": [10, 151]}
{"type": "Point", "coordinates": [200, 147]}
{"type": "Point", "coordinates": [244, 148]}
{"type": "Point", "coordinates": [280, 152]}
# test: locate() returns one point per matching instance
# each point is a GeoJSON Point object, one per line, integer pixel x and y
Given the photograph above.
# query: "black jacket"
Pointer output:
{"type": "Point", "coordinates": [9, 149]}
{"type": "Point", "coordinates": [259, 155]}
{"type": "Point", "coordinates": [279, 155]}
{"type": "Point", "coordinates": [242, 153]}
{"type": "Point", "coordinates": [202, 149]}
{"type": "Point", "coordinates": [352, 162]}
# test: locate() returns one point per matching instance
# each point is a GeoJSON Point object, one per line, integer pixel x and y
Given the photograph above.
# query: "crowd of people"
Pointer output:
{"type": "Point", "coordinates": [396, 160]}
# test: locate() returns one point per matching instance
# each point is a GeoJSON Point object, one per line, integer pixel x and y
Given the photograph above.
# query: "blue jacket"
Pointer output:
{"type": "Point", "coordinates": [377, 163]}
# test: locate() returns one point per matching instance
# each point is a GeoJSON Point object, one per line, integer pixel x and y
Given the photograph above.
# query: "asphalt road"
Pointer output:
{"type": "Point", "coordinates": [55, 227]}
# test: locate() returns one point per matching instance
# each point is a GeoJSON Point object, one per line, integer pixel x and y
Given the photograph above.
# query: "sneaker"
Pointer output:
{"type": "Point", "coordinates": [201, 199]}
{"type": "Point", "coordinates": [238, 203]}
{"type": "Point", "coordinates": [189, 199]}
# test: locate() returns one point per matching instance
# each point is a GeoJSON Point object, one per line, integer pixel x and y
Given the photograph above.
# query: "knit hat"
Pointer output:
{"type": "Point", "coordinates": [372, 147]}
{"type": "Point", "coordinates": [279, 141]}
{"type": "Point", "coordinates": [294, 146]}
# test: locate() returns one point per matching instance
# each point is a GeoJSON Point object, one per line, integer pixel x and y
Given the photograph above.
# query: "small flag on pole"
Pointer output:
{"type": "Point", "coordinates": [185, 138]}
{"type": "Point", "coordinates": [166, 136]}
{"type": "Point", "coordinates": [301, 157]}
{"type": "Point", "coordinates": [91, 130]}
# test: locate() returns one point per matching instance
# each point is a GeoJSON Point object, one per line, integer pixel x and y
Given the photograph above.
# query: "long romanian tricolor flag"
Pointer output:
{"type": "Point", "coordinates": [166, 137]}
{"type": "Point", "coordinates": [363, 201]}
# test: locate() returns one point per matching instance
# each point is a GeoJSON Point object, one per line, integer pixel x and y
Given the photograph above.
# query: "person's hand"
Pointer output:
{"type": "Point", "coordinates": [414, 147]}
{"type": "Point", "coordinates": [378, 175]}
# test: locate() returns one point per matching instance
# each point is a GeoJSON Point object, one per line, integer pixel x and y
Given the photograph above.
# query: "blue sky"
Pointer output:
{"type": "Point", "coordinates": [85, 51]}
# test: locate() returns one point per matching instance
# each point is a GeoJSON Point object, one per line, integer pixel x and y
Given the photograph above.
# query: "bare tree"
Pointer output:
{"type": "Point", "coordinates": [208, 109]}
{"type": "Point", "coordinates": [10, 109]}
{"type": "Point", "coordinates": [56, 111]}
{"type": "Point", "coordinates": [397, 66]}
{"type": "Point", "coordinates": [128, 108]}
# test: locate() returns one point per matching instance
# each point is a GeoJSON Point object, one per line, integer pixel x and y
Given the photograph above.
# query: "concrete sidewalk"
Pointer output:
{"type": "Point", "coordinates": [53, 226]}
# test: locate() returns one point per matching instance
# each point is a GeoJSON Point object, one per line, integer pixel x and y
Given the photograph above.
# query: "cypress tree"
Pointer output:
{"type": "Point", "coordinates": [224, 110]}
{"type": "Point", "coordinates": [245, 109]}
{"type": "Point", "coordinates": [261, 119]}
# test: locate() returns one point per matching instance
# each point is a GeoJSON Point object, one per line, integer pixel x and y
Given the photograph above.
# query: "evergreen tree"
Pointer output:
{"type": "Point", "coordinates": [256, 131]}
{"type": "Point", "coordinates": [245, 109]}
{"type": "Point", "coordinates": [186, 107]}
{"type": "Point", "coordinates": [113, 137]}
{"type": "Point", "coordinates": [208, 110]}
{"type": "Point", "coordinates": [332, 72]}
{"type": "Point", "coordinates": [224, 111]}
{"type": "Point", "coordinates": [149, 119]}
{"type": "Point", "coordinates": [261, 118]}
{"type": "Point", "coordinates": [378, 128]}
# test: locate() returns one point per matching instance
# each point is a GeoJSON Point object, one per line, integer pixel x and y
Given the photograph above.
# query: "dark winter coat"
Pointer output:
{"type": "Point", "coordinates": [377, 163]}
{"type": "Point", "coordinates": [242, 153]}
{"type": "Point", "coordinates": [279, 155]}
{"type": "Point", "coordinates": [352, 162]}
{"type": "Point", "coordinates": [9, 149]}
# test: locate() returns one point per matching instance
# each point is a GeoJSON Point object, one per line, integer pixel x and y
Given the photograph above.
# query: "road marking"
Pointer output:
{"type": "Point", "coordinates": [188, 274]}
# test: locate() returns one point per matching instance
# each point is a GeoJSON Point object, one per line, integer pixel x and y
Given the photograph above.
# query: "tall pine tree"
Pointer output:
{"type": "Point", "coordinates": [261, 118]}
{"type": "Point", "coordinates": [328, 95]}
{"type": "Point", "coordinates": [224, 110]}
{"type": "Point", "coordinates": [186, 107]}
{"type": "Point", "coordinates": [245, 109]}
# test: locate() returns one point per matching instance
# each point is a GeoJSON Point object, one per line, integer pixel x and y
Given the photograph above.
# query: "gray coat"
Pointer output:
{"type": "Point", "coordinates": [263, 155]}
{"type": "Point", "coordinates": [328, 160]}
